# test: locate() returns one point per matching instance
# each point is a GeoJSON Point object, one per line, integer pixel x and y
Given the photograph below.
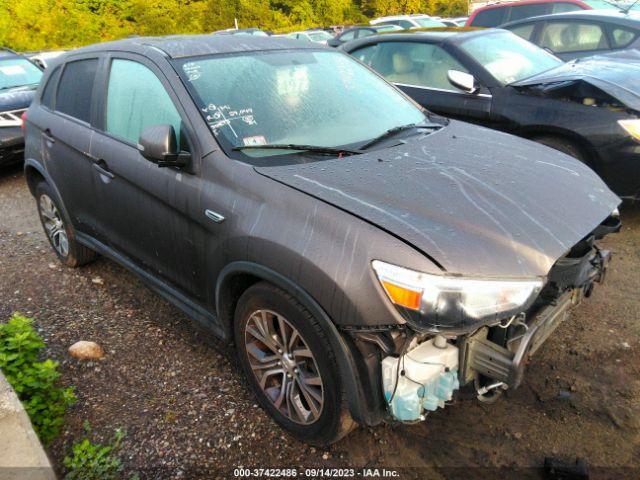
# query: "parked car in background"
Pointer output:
{"type": "Point", "coordinates": [459, 21]}
{"type": "Point", "coordinates": [496, 14]}
{"type": "Point", "coordinates": [42, 58]}
{"type": "Point", "coordinates": [408, 21]}
{"type": "Point", "coordinates": [453, 22]}
{"type": "Point", "coordinates": [256, 32]}
{"type": "Point", "coordinates": [315, 36]}
{"type": "Point", "coordinates": [581, 34]}
{"type": "Point", "coordinates": [589, 110]}
{"type": "Point", "coordinates": [361, 32]}
{"type": "Point", "coordinates": [304, 209]}
{"type": "Point", "coordinates": [19, 78]}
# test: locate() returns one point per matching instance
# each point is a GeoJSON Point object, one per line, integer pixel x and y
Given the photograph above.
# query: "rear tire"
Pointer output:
{"type": "Point", "coordinates": [59, 232]}
{"type": "Point", "coordinates": [294, 374]}
{"type": "Point", "coordinates": [563, 145]}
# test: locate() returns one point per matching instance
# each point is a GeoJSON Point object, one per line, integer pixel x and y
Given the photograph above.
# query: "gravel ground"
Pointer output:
{"type": "Point", "coordinates": [182, 401]}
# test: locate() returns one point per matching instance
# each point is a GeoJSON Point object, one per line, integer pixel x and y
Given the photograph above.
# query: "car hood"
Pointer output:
{"type": "Point", "coordinates": [15, 99]}
{"type": "Point", "coordinates": [476, 201]}
{"type": "Point", "coordinates": [616, 74]}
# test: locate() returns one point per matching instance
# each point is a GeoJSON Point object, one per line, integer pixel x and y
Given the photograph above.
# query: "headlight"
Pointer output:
{"type": "Point", "coordinates": [631, 126]}
{"type": "Point", "coordinates": [455, 300]}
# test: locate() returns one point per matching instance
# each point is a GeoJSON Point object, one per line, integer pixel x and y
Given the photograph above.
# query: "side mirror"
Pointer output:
{"type": "Point", "coordinates": [462, 80]}
{"type": "Point", "coordinates": [158, 145]}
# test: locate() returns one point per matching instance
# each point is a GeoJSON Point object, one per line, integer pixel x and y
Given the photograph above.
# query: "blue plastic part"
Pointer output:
{"type": "Point", "coordinates": [428, 397]}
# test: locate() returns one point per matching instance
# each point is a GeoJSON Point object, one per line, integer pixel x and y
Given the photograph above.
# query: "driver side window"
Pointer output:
{"type": "Point", "coordinates": [136, 99]}
{"type": "Point", "coordinates": [410, 63]}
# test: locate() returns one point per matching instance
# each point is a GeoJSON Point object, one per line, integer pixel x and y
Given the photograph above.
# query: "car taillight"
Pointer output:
{"type": "Point", "coordinates": [23, 117]}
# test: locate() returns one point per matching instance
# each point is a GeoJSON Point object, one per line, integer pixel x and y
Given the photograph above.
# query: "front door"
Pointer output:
{"type": "Point", "coordinates": [421, 71]}
{"type": "Point", "coordinates": [150, 214]}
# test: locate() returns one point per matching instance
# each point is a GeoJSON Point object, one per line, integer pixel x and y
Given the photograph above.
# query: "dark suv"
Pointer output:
{"type": "Point", "coordinates": [19, 78]}
{"type": "Point", "coordinates": [296, 204]}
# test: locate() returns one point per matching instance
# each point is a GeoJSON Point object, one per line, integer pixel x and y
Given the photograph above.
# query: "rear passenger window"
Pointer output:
{"type": "Point", "coordinates": [76, 88]}
{"type": "Point", "coordinates": [527, 11]}
{"type": "Point", "coordinates": [621, 37]}
{"type": "Point", "coordinates": [491, 17]}
{"type": "Point", "coordinates": [563, 7]}
{"type": "Point", "coordinates": [50, 88]}
{"type": "Point", "coordinates": [136, 99]}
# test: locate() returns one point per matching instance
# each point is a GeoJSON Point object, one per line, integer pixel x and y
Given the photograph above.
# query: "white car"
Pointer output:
{"type": "Point", "coordinates": [408, 21]}
{"type": "Point", "coordinates": [316, 36]}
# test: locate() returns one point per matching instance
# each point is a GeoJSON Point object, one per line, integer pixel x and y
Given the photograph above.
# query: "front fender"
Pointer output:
{"type": "Point", "coordinates": [359, 399]}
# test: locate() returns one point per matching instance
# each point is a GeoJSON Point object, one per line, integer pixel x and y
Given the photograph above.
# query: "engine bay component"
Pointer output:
{"type": "Point", "coordinates": [424, 378]}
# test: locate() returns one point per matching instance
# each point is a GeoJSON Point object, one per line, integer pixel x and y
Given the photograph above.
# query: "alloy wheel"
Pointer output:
{"type": "Point", "coordinates": [284, 366]}
{"type": "Point", "coordinates": [54, 226]}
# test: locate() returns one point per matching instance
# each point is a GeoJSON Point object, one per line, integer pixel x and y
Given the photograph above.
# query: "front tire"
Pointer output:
{"type": "Point", "coordinates": [287, 360]}
{"type": "Point", "coordinates": [59, 233]}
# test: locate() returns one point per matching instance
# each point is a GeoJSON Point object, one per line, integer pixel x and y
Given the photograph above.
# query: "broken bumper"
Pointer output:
{"type": "Point", "coordinates": [506, 364]}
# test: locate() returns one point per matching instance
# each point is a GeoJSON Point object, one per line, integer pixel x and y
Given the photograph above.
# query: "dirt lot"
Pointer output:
{"type": "Point", "coordinates": [187, 413]}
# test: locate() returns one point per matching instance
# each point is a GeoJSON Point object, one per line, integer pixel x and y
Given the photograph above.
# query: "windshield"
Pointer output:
{"type": "Point", "coordinates": [303, 97]}
{"type": "Point", "coordinates": [428, 22]}
{"type": "Point", "coordinates": [320, 36]}
{"type": "Point", "coordinates": [509, 58]}
{"type": "Point", "coordinates": [18, 72]}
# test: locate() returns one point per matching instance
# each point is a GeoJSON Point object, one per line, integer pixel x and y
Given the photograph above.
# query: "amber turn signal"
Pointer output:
{"type": "Point", "coordinates": [403, 296]}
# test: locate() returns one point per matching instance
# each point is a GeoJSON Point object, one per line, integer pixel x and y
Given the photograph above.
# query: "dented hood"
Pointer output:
{"type": "Point", "coordinates": [477, 201]}
{"type": "Point", "coordinates": [614, 74]}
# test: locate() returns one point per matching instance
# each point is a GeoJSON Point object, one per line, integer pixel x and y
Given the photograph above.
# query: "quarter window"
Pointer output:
{"type": "Point", "coordinates": [136, 99]}
{"type": "Point", "coordinates": [563, 7]}
{"type": "Point", "coordinates": [76, 89]}
{"type": "Point", "coordinates": [622, 37]}
{"type": "Point", "coordinates": [50, 88]}
{"type": "Point", "coordinates": [419, 64]}
{"type": "Point", "coordinates": [523, 31]}
{"type": "Point", "coordinates": [345, 37]}
{"type": "Point", "coordinates": [563, 37]}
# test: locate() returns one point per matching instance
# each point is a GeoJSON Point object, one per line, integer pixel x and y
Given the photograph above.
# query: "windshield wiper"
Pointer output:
{"type": "Point", "coordinates": [400, 128]}
{"type": "Point", "coordinates": [305, 148]}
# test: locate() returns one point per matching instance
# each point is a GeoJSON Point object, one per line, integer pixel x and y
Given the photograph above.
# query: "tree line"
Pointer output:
{"type": "Point", "coordinates": [28, 25]}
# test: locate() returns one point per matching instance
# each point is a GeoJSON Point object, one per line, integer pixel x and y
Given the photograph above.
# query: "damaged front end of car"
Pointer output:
{"type": "Point", "coordinates": [471, 332]}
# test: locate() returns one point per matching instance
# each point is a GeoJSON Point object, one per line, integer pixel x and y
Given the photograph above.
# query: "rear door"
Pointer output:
{"type": "Point", "coordinates": [67, 132]}
{"type": "Point", "coordinates": [421, 69]}
{"type": "Point", "coordinates": [150, 214]}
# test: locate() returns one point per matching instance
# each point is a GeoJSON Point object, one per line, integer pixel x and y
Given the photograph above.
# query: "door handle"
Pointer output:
{"type": "Point", "coordinates": [47, 136]}
{"type": "Point", "coordinates": [102, 168]}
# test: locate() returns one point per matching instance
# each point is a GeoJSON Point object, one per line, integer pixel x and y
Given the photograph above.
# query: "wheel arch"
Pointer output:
{"type": "Point", "coordinates": [532, 132]}
{"type": "Point", "coordinates": [236, 277]}
{"type": "Point", "coordinates": [34, 173]}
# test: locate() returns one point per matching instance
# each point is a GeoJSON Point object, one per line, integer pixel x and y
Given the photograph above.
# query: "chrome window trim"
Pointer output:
{"type": "Point", "coordinates": [444, 90]}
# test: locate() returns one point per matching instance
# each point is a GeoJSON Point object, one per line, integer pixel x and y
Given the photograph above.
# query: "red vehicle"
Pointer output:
{"type": "Point", "coordinates": [499, 13]}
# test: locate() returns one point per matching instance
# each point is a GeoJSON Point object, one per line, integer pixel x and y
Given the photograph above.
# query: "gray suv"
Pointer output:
{"type": "Point", "coordinates": [366, 257]}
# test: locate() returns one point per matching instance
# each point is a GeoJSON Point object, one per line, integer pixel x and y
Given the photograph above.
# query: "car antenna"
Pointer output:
{"type": "Point", "coordinates": [629, 7]}
{"type": "Point", "coordinates": [622, 9]}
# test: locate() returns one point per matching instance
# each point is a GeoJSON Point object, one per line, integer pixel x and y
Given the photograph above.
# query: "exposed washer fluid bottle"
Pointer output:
{"type": "Point", "coordinates": [430, 377]}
